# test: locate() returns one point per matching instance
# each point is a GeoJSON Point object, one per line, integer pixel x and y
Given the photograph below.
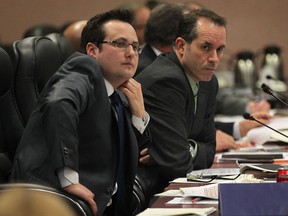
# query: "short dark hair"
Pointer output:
{"type": "Point", "coordinates": [93, 31]}
{"type": "Point", "coordinates": [162, 25]}
{"type": "Point", "coordinates": [188, 25]}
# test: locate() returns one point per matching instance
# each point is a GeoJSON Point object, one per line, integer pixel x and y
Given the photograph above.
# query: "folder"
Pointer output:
{"type": "Point", "coordinates": [267, 199]}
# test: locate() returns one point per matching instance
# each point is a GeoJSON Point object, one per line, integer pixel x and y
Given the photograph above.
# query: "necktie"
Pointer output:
{"type": "Point", "coordinates": [195, 90]}
{"type": "Point", "coordinates": [121, 192]}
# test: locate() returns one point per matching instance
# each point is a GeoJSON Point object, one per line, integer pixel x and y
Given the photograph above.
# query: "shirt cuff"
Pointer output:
{"type": "Point", "coordinates": [236, 130]}
{"type": "Point", "coordinates": [139, 123]}
{"type": "Point", "coordinates": [67, 176]}
{"type": "Point", "coordinates": [193, 148]}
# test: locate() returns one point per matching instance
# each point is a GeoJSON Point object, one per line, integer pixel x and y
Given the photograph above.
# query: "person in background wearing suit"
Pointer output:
{"type": "Point", "coordinates": [90, 120]}
{"type": "Point", "coordinates": [73, 33]}
{"type": "Point", "coordinates": [160, 31]}
{"type": "Point", "coordinates": [179, 91]}
{"type": "Point", "coordinates": [141, 14]}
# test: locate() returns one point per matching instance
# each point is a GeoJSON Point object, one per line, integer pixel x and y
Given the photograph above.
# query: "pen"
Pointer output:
{"type": "Point", "coordinates": [195, 200]}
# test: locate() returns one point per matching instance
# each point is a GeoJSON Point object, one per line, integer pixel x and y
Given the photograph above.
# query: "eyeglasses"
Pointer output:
{"type": "Point", "coordinates": [211, 178]}
{"type": "Point", "coordinates": [123, 44]}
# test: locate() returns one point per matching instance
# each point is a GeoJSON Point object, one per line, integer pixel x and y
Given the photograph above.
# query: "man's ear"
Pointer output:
{"type": "Point", "coordinates": [180, 45]}
{"type": "Point", "coordinates": [92, 49]}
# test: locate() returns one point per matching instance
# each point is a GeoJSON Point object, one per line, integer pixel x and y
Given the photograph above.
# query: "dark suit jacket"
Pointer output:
{"type": "Point", "coordinates": [146, 57]}
{"type": "Point", "coordinates": [73, 125]}
{"type": "Point", "coordinates": [170, 102]}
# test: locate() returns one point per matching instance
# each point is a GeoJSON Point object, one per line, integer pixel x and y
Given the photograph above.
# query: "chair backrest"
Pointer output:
{"type": "Point", "coordinates": [64, 45]}
{"type": "Point", "coordinates": [36, 60]}
{"type": "Point", "coordinates": [11, 127]}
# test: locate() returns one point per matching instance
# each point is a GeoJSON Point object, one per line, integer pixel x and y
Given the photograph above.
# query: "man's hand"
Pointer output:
{"type": "Point", "coordinates": [84, 193]}
{"type": "Point", "coordinates": [261, 106]}
{"type": "Point", "coordinates": [225, 141]}
{"type": "Point", "coordinates": [132, 89]}
{"type": "Point", "coordinates": [247, 125]}
{"type": "Point", "coordinates": [145, 157]}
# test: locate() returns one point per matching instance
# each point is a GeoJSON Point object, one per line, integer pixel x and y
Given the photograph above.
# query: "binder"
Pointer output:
{"type": "Point", "coordinates": [239, 199]}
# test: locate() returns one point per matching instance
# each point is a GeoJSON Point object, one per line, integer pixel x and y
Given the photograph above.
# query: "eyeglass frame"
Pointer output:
{"type": "Point", "coordinates": [126, 44]}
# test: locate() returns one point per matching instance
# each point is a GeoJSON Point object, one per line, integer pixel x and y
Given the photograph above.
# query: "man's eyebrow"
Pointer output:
{"type": "Point", "coordinates": [122, 38]}
{"type": "Point", "coordinates": [206, 43]}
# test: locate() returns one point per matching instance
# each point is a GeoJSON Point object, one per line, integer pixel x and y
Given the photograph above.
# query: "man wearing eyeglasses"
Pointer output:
{"type": "Point", "coordinates": [90, 120]}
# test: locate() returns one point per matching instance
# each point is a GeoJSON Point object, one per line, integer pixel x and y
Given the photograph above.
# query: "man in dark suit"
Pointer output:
{"type": "Point", "coordinates": [179, 91]}
{"type": "Point", "coordinates": [76, 139]}
{"type": "Point", "coordinates": [159, 35]}
{"type": "Point", "coordinates": [159, 32]}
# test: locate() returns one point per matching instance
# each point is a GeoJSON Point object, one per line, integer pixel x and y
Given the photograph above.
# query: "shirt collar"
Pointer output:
{"type": "Point", "coordinates": [194, 85]}
{"type": "Point", "coordinates": [109, 88]}
{"type": "Point", "coordinates": [156, 51]}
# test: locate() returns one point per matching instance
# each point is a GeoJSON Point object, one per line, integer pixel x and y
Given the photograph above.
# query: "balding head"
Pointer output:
{"type": "Point", "coordinates": [73, 33]}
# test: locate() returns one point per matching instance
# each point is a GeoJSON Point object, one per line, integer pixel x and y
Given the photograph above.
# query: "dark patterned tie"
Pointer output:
{"type": "Point", "coordinates": [121, 192]}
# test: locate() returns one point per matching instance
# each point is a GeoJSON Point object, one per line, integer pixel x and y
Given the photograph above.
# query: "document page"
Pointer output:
{"type": "Point", "coordinates": [263, 134]}
{"type": "Point", "coordinates": [207, 191]}
{"type": "Point", "coordinates": [176, 211]}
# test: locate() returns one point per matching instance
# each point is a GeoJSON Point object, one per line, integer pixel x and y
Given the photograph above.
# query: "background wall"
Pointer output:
{"type": "Point", "coordinates": [252, 24]}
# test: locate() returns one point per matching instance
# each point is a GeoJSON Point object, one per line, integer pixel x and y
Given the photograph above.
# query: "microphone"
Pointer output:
{"type": "Point", "coordinates": [269, 91]}
{"type": "Point", "coordinates": [247, 116]}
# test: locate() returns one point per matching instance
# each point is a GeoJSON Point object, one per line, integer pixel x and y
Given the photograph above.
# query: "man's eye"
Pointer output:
{"type": "Point", "coordinates": [121, 44]}
{"type": "Point", "coordinates": [205, 47]}
{"type": "Point", "coordinates": [220, 50]}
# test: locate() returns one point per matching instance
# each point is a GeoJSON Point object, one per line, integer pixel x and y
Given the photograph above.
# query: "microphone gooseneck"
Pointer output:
{"type": "Point", "coordinates": [248, 116]}
{"type": "Point", "coordinates": [269, 91]}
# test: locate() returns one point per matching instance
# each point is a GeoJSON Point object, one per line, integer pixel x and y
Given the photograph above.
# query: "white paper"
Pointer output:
{"type": "Point", "coordinates": [172, 193]}
{"type": "Point", "coordinates": [188, 201]}
{"type": "Point", "coordinates": [213, 172]}
{"type": "Point", "coordinates": [176, 211]}
{"type": "Point", "coordinates": [262, 134]}
{"type": "Point", "coordinates": [207, 191]}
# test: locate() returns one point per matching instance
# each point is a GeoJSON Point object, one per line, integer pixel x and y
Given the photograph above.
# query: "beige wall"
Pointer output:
{"type": "Point", "coordinates": [252, 24]}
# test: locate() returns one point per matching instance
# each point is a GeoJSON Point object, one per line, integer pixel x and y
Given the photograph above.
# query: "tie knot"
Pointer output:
{"type": "Point", "coordinates": [114, 98]}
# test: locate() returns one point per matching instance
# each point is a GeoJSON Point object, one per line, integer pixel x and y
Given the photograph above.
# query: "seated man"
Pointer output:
{"type": "Point", "coordinates": [90, 120]}
{"type": "Point", "coordinates": [164, 20]}
{"type": "Point", "coordinates": [179, 91]}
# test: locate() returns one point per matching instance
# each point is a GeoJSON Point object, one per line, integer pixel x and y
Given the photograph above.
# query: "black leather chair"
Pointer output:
{"type": "Point", "coordinates": [40, 30]}
{"type": "Point", "coordinates": [36, 60]}
{"type": "Point", "coordinates": [140, 199]}
{"type": "Point", "coordinates": [64, 45]}
{"type": "Point", "coordinates": [11, 127]}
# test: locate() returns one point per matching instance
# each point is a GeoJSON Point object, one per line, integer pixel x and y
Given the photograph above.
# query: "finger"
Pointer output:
{"type": "Point", "coordinates": [144, 152]}
{"type": "Point", "coordinates": [93, 206]}
{"type": "Point", "coordinates": [144, 159]}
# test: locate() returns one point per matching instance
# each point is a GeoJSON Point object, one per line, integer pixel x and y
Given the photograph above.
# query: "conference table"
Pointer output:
{"type": "Point", "coordinates": [161, 201]}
